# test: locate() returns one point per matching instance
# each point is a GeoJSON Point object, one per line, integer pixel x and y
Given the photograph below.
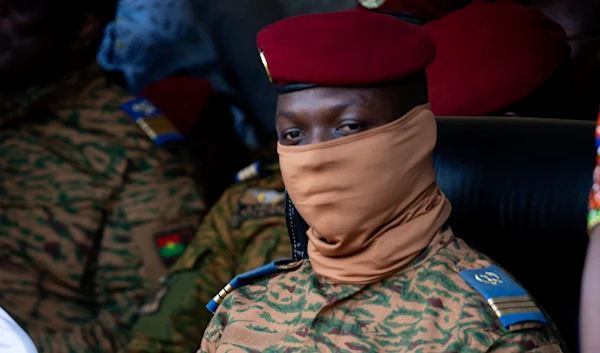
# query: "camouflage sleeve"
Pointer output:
{"type": "Point", "coordinates": [157, 195]}
{"type": "Point", "coordinates": [174, 319]}
{"type": "Point", "coordinates": [241, 232]}
{"type": "Point", "coordinates": [528, 338]}
{"type": "Point", "coordinates": [207, 347]}
{"type": "Point", "coordinates": [212, 335]}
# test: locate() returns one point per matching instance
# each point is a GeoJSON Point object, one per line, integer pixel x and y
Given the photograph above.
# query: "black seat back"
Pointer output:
{"type": "Point", "coordinates": [519, 189]}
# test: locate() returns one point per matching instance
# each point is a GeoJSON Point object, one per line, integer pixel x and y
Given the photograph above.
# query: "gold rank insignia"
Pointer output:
{"type": "Point", "coordinates": [244, 279]}
{"type": "Point", "coordinates": [371, 4]}
{"type": "Point", "coordinates": [152, 121]}
{"type": "Point", "coordinates": [508, 305]}
{"type": "Point", "coordinates": [263, 59]}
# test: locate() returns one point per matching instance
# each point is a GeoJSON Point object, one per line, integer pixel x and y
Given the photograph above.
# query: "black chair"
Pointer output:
{"type": "Point", "coordinates": [518, 189]}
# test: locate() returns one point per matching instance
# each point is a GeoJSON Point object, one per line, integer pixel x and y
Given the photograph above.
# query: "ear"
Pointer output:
{"type": "Point", "coordinates": [87, 33]}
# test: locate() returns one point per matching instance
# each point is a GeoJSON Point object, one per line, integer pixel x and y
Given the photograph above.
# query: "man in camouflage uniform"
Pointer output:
{"type": "Point", "coordinates": [215, 274]}
{"type": "Point", "coordinates": [244, 230]}
{"type": "Point", "coordinates": [384, 271]}
{"type": "Point", "coordinates": [94, 206]}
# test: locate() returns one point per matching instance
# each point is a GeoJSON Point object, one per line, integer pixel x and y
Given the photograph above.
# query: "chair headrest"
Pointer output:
{"type": "Point", "coordinates": [521, 177]}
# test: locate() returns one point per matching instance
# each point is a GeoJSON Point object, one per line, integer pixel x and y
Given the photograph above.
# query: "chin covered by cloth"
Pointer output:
{"type": "Point", "coordinates": [384, 271]}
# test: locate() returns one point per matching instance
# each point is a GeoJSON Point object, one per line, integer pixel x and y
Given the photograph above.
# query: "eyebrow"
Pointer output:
{"type": "Point", "coordinates": [334, 109]}
{"type": "Point", "coordinates": [286, 115]}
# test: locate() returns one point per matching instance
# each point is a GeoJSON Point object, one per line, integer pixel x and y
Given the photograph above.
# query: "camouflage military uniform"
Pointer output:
{"type": "Point", "coordinates": [244, 230]}
{"type": "Point", "coordinates": [85, 195]}
{"type": "Point", "coordinates": [426, 307]}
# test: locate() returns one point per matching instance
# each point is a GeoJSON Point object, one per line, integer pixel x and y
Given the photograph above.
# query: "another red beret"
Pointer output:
{"type": "Point", "coordinates": [428, 9]}
{"type": "Point", "coordinates": [347, 48]}
{"type": "Point", "coordinates": [182, 99]}
{"type": "Point", "coordinates": [491, 55]}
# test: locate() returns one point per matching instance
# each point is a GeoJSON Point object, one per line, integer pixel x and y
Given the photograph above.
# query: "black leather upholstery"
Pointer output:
{"type": "Point", "coordinates": [519, 189]}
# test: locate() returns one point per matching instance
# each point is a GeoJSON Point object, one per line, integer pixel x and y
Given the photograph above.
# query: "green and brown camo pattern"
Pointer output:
{"type": "Point", "coordinates": [426, 307]}
{"type": "Point", "coordinates": [83, 191]}
{"type": "Point", "coordinates": [241, 232]}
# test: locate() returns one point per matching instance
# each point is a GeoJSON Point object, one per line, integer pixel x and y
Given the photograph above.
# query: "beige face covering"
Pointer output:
{"type": "Point", "coordinates": [370, 199]}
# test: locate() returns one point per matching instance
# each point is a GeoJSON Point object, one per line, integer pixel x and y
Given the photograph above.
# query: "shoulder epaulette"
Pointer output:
{"type": "Point", "coordinates": [249, 277]}
{"type": "Point", "coordinates": [254, 170]}
{"type": "Point", "coordinates": [510, 301]}
{"type": "Point", "coordinates": [152, 121]}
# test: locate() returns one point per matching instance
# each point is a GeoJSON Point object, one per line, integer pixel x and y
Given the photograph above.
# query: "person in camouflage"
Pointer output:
{"type": "Point", "coordinates": [179, 333]}
{"type": "Point", "coordinates": [97, 197]}
{"type": "Point", "coordinates": [384, 271]}
{"type": "Point", "coordinates": [245, 229]}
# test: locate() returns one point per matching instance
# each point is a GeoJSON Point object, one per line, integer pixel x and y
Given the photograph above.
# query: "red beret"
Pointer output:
{"type": "Point", "coordinates": [491, 55]}
{"type": "Point", "coordinates": [182, 99]}
{"type": "Point", "coordinates": [347, 48]}
{"type": "Point", "coordinates": [427, 9]}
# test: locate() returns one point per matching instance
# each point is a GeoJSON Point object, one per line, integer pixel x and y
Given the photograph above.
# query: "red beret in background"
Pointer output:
{"type": "Point", "coordinates": [347, 48]}
{"type": "Point", "coordinates": [182, 100]}
{"type": "Point", "coordinates": [429, 9]}
{"type": "Point", "coordinates": [491, 55]}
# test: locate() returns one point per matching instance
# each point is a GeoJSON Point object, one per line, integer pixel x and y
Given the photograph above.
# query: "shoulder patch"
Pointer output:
{"type": "Point", "coordinates": [510, 302]}
{"type": "Point", "coordinates": [171, 245]}
{"type": "Point", "coordinates": [152, 121]}
{"type": "Point", "coordinates": [244, 279]}
{"type": "Point", "coordinates": [258, 204]}
{"type": "Point", "coordinates": [257, 196]}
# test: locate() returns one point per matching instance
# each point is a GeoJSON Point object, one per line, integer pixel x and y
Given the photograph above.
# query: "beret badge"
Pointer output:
{"type": "Point", "coordinates": [263, 59]}
{"type": "Point", "coordinates": [371, 4]}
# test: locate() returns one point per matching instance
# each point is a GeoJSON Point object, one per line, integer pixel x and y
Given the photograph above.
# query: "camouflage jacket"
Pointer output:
{"type": "Point", "coordinates": [429, 306]}
{"type": "Point", "coordinates": [245, 229]}
{"type": "Point", "coordinates": [86, 196]}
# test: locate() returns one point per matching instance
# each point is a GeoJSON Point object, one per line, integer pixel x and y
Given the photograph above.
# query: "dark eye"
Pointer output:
{"type": "Point", "coordinates": [292, 135]}
{"type": "Point", "coordinates": [349, 128]}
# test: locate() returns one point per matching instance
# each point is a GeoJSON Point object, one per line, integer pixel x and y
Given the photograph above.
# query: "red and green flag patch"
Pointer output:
{"type": "Point", "coordinates": [172, 245]}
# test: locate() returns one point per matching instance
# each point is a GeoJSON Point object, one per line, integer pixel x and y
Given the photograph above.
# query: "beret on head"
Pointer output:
{"type": "Point", "coordinates": [425, 9]}
{"type": "Point", "coordinates": [491, 55]}
{"type": "Point", "coordinates": [347, 48]}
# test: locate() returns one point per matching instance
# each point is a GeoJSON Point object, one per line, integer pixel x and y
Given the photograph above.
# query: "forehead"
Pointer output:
{"type": "Point", "coordinates": [327, 97]}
